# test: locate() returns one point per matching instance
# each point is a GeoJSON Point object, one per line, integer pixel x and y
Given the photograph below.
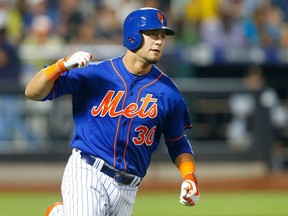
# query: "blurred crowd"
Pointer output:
{"type": "Point", "coordinates": [218, 23]}
{"type": "Point", "coordinates": [235, 23]}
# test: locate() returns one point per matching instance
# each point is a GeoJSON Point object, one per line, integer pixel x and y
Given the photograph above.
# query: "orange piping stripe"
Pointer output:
{"type": "Point", "coordinates": [119, 120]}
{"type": "Point", "coordinates": [188, 126]}
{"type": "Point", "coordinates": [128, 134]}
{"type": "Point", "coordinates": [175, 139]}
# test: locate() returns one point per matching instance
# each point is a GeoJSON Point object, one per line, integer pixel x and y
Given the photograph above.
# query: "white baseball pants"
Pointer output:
{"type": "Point", "coordinates": [88, 192]}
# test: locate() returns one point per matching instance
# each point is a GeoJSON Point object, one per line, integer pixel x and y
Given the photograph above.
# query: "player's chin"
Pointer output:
{"type": "Point", "coordinates": [153, 59]}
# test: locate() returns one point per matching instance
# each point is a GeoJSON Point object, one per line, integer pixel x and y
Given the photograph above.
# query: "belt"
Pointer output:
{"type": "Point", "coordinates": [119, 176]}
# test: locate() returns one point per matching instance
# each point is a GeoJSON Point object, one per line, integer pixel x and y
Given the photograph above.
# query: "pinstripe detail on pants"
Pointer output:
{"type": "Point", "coordinates": [88, 192]}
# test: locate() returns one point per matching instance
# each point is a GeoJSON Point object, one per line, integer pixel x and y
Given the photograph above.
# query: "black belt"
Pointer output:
{"type": "Point", "coordinates": [118, 176]}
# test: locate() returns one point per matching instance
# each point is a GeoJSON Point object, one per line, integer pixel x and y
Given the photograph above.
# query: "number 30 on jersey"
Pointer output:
{"type": "Point", "coordinates": [145, 135]}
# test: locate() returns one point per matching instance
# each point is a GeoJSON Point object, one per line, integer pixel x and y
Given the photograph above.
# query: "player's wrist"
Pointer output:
{"type": "Point", "coordinates": [54, 71]}
{"type": "Point", "coordinates": [187, 170]}
{"type": "Point", "coordinates": [192, 177]}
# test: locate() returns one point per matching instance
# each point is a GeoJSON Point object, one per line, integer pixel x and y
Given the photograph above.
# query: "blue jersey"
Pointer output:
{"type": "Point", "coordinates": [120, 117]}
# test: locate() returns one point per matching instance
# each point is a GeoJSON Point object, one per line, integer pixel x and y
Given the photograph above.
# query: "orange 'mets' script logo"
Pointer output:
{"type": "Point", "coordinates": [109, 105]}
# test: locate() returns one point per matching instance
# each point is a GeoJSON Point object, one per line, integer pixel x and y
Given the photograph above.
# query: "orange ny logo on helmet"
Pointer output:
{"type": "Point", "coordinates": [160, 17]}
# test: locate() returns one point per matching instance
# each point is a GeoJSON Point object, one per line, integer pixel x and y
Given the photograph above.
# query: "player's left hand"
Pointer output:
{"type": "Point", "coordinates": [190, 193]}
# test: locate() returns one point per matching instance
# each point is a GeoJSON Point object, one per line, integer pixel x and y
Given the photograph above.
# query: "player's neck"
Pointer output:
{"type": "Point", "coordinates": [135, 66]}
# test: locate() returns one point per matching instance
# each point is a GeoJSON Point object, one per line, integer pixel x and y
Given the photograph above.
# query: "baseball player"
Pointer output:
{"type": "Point", "coordinates": [121, 107]}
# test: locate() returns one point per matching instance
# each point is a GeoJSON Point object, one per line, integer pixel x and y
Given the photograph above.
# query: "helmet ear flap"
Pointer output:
{"type": "Point", "coordinates": [134, 41]}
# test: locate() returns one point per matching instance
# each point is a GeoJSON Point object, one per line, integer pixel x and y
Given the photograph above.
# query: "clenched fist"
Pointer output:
{"type": "Point", "coordinates": [190, 193]}
{"type": "Point", "coordinates": [77, 60]}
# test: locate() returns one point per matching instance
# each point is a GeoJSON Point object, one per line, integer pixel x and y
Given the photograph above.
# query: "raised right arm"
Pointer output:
{"type": "Point", "coordinates": [42, 83]}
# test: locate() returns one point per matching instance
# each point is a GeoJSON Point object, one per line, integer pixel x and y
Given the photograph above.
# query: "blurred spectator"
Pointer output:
{"type": "Point", "coordinates": [35, 8]}
{"type": "Point", "coordinates": [283, 6]}
{"type": "Point", "coordinates": [187, 15]}
{"type": "Point", "coordinates": [41, 40]}
{"type": "Point", "coordinates": [274, 24]}
{"type": "Point", "coordinates": [10, 64]}
{"type": "Point", "coordinates": [199, 11]}
{"type": "Point", "coordinates": [187, 29]}
{"type": "Point", "coordinates": [249, 7]}
{"type": "Point", "coordinates": [261, 101]}
{"type": "Point", "coordinates": [85, 34]}
{"type": "Point", "coordinates": [283, 44]}
{"type": "Point", "coordinates": [70, 18]}
{"type": "Point", "coordinates": [11, 123]}
{"type": "Point", "coordinates": [155, 4]}
{"type": "Point", "coordinates": [225, 30]}
{"type": "Point", "coordinates": [14, 22]}
{"type": "Point", "coordinates": [263, 30]}
{"type": "Point", "coordinates": [126, 7]}
{"type": "Point", "coordinates": [108, 28]}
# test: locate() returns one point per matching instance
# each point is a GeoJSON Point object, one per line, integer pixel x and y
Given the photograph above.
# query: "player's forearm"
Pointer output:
{"type": "Point", "coordinates": [39, 87]}
{"type": "Point", "coordinates": [186, 165]}
{"type": "Point", "coordinates": [190, 193]}
{"type": "Point", "coordinates": [182, 158]}
{"type": "Point", "coordinates": [42, 83]}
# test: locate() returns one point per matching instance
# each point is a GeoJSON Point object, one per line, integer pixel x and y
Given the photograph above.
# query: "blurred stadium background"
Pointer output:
{"type": "Point", "coordinates": [229, 59]}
